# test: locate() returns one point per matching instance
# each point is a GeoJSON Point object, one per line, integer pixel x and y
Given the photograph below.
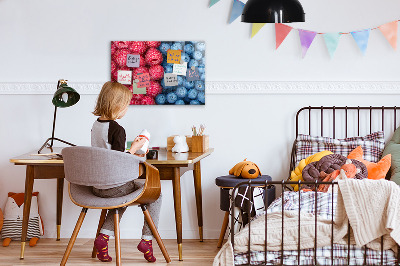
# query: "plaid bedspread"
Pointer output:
{"type": "Point", "coordinates": [307, 202]}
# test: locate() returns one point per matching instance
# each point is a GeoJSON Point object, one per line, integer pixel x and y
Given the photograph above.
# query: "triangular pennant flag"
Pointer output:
{"type": "Point", "coordinates": [281, 31]}
{"type": "Point", "coordinates": [237, 9]}
{"type": "Point", "coordinates": [306, 39]}
{"type": "Point", "coordinates": [256, 27]}
{"type": "Point", "coordinates": [390, 32]}
{"type": "Point", "coordinates": [361, 37]}
{"type": "Point", "coordinates": [332, 41]}
{"type": "Point", "coordinates": [213, 2]}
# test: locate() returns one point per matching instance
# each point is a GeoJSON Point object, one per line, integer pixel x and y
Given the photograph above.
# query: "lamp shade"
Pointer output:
{"type": "Point", "coordinates": [65, 96]}
{"type": "Point", "coordinates": [273, 11]}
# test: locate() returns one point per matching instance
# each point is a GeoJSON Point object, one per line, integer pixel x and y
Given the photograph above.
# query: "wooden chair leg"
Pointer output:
{"type": "Point", "coordinates": [117, 238]}
{"type": "Point", "coordinates": [223, 229]}
{"type": "Point", "coordinates": [101, 222]}
{"type": "Point", "coordinates": [154, 230]}
{"type": "Point", "coordinates": [73, 237]}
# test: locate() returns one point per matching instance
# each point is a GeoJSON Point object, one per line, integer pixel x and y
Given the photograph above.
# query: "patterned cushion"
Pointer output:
{"type": "Point", "coordinates": [372, 144]}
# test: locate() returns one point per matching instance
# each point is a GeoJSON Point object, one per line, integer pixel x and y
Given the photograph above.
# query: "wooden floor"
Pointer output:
{"type": "Point", "coordinates": [50, 252]}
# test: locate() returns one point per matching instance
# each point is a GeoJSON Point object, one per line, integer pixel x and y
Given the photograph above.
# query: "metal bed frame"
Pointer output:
{"type": "Point", "coordinates": [283, 184]}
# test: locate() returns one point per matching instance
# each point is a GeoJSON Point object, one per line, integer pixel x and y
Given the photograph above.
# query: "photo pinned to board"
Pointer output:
{"type": "Point", "coordinates": [161, 72]}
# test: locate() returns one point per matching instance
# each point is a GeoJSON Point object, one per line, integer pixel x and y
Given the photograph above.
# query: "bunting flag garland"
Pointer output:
{"type": "Point", "coordinates": [389, 30]}
{"type": "Point", "coordinates": [306, 39]}
{"type": "Point", "coordinates": [237, 8]}
{"type": "Point", "coordinates": [332, 41]}
{"type": "Point", "coordinates": [256, 27]}
{"type": "Point", "coordinates": [361, 37]}
{"type": "Point", "coordinates": [281, 31]}
{"type": "Point", "coordinates": [213, 2]}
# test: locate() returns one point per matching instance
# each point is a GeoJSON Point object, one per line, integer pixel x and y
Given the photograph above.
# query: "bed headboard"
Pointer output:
{"type": "Point", "coordinates": [344, 121]}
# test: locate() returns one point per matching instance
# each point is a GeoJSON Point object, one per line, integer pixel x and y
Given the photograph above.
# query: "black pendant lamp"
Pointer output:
{"type": "Point", "coordinates": [273, 11]}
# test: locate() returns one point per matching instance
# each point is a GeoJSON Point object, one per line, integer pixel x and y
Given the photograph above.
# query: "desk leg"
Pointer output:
{"type": "Point", "coordinates": [176, 182]}
{"type": "Point", "coordinates": [197, 189]}
{"type": "Point", "coordinates": [60, 190]}
{"type": "Point", "coordinates": [27, 206]}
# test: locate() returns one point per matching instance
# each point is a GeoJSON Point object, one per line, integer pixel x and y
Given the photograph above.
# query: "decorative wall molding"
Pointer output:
{"type": "Point", "coordinates": [233, 87]}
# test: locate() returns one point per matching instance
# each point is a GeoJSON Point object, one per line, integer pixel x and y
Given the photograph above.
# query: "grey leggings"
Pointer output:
{"type": "Point", "coordinates": [154, 208]}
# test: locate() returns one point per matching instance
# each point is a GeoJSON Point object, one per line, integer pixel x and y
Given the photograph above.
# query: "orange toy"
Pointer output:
{"type": "Point", "coordinates": [375, 170]}
{"type": "Point", "coordinates": [245, 169]}
{"type": "Point", "coordinates": [348, 170]}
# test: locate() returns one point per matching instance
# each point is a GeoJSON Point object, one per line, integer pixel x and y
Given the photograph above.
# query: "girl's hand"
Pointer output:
{"type": "Point", "coordinates": [137, 144]}
{"type": "Point", "coordinates": [143, 155]}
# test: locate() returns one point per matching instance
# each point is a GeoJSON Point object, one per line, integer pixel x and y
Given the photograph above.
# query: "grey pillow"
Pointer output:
{"type": "Point", "coordinates": [393, 148]}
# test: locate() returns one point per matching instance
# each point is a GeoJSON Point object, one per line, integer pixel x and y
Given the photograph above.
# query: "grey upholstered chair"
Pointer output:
{"type": "Point", "coordinates": [85, 167]}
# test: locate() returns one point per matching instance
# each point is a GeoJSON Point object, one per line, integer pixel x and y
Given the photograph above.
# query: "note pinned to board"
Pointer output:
{"type": "Point", "coordinates": [136, 90]}
{"type": "Point", "coordinates": [133, 60]}
{"type": "Point", "coordinates": [144, 80]}
{"type": "Point", "coordinates": [174, 56]}
{"type": "Point", "coordinates": [124, 76]}
{"type": "Point", "coordinates": [192, 74]}
{"type": "Point", "coordinates": [180, 69]}
{"type": "Point", "coordinates": [170, 79]}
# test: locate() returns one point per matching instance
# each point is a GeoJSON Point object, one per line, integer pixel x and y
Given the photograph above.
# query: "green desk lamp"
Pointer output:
{"type": "Point", "coordinates": [65, 96]}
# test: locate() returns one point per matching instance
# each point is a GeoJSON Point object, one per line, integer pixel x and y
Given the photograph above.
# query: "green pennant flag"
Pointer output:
{"type": "Point", "coordinates": [256, 27]}
{"type": "Point", "coordinates": [213, 2]}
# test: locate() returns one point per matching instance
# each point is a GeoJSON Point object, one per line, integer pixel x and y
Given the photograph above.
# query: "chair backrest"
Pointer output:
{"type": "Point", "coordinates": [92, 166]}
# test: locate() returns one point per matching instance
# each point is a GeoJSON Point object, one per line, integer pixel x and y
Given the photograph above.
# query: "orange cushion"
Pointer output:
{"type": "Point", "coordinates": [375, 170]}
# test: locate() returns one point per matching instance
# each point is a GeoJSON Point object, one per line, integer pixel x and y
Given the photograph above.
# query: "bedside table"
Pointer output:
{"type": "Point", "coordinates": [226, 183]}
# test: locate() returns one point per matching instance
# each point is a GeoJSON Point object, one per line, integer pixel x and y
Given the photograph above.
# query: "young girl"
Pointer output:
{"type": "Point", "coordinates": [112, 104]}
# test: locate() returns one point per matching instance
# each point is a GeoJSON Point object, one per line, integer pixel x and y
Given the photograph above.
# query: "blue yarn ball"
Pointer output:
{"type": "Point", "coordinates": [181, 92]}
{"type": "Point", "coordinates": [200, 46]}
{"type": "Point", "coordinates": [188, 84]}
{"type": "Point", "coordinates": [168, 69]}
{"type": "Point", "coordinates": [185, 57]}
{"type": "Point", "coordinates": [197, 55]}
{"type": "Point", "coordinates": [192, 94]}
{"type": "Point", "coordinates": [180, 80]}
{"type": "Point", "coordinates": [201, 97]}
{"type": "Point", "coordinates": [189, 48]}
{"type": "Point", "coordinates": [199, 85]}
{"type": "Point", "coordinates": [177, 46]}
{"type": "Point", "coordinates": [201, 69]}
{"type": "Point", "coordinates": [203, 77]}
{"type": "Point", "coordinates": [164, 64]}
{"type": "Point", "coordinates": [192, 63]}
{"type": "Point", "coordinates": [171, 97]}
{"type": "Point", "coordinates": [180, 102]}
{"type": "Point", "coordinates": [164, 47]}
{"type": "Point", "coordinates": [202, 61]}
{"type": "Point", "coordinates": [194, 102]}
{"type": "Point", "coordinates": [160, 99]}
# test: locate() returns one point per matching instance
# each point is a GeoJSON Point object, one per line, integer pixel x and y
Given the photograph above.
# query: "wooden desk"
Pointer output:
{"type": "Point", "coordinates": [169, 165]}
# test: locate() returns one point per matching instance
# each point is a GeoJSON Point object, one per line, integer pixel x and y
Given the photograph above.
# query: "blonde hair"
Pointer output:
{"type": "Point", "coordinates": [112, 98]}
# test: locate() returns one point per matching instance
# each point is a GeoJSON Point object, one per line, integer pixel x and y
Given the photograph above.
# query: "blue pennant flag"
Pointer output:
{"type": "Point", "coordinates": [361, 37]}
{"type": "Point", "coordinates": [332, 41]}
{"type": "Point", "coordinates": [213, 2]}
{"type": "Point", "coordinates": [237, 9]}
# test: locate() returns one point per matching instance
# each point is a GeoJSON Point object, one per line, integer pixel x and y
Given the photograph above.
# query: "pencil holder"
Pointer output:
{"type": "Point", "coordinates": [200, 143]}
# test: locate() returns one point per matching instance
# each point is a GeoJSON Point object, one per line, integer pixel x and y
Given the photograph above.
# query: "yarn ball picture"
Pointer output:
{"type": "Point", "coordinates": [163, 72]}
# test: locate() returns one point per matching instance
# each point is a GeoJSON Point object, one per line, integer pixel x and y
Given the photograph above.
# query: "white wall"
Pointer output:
{"type": "Point", "coordinates": [47, 40]}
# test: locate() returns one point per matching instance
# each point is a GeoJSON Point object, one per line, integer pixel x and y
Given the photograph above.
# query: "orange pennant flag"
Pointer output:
{"type": "Point", "coordinates": [389, 30]}
{"type": "Point", "coordinates": [281, 31]}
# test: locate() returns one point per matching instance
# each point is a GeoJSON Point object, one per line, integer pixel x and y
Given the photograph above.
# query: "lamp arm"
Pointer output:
{"type": "Point", "coordinates": [54, 126]}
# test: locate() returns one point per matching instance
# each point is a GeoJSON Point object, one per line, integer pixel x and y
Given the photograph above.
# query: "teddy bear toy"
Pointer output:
{"type": "Point", "coordinates": [13, 215]}
{"type": "Point", "coordinates": [180, 144]}
{"type": "Point", "coordinates": [245, 169]}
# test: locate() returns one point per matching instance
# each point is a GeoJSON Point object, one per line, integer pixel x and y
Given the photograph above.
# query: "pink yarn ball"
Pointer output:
{"type": "Point", "coordinates": [147, 100]}
{"type": "Point", "coordinates": [138, 47]}
{"type": "Point", "coordinates": [135, 102]}
{"type": "Point", "coordinates": [137, 97]}
{"type": "Point", "coordinates": [113, 50]}
{"type": "Point", "coordinates": [156, 72]}
{"type": "Point", "coordinates": [153, 44]}
{"type": "Point", "coordinates": [121, 45]}
{"type": "Point", "coordinates": [113, 66]}
{"type": "Point", "coordinates": [154, 89]}
{"type": "Point", "coordinates": [120, 57]}
{"type": "Point", "coordinates": [153, 57]}
{"type": "Point", "coordinates": [139, 70]}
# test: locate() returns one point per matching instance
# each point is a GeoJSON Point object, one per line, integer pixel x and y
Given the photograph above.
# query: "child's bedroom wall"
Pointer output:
{"type": "Point", "coordinates": [48, 40]}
